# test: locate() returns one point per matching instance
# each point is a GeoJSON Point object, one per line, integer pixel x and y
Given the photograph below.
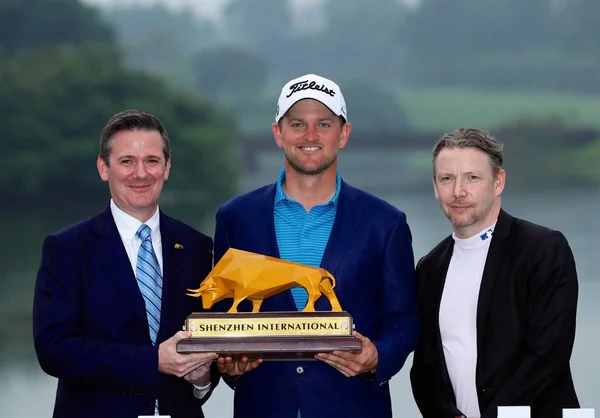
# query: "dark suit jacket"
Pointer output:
{"type": "Point", "coordinates": [370, 254]}
{"type": "Point", "coordinates": [525, 324]}
{"type": "Point", "coordinates": [89, 320]}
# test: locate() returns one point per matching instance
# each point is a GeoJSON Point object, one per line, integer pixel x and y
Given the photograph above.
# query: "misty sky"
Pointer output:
{"type": "Point", "coordinates": [209, 8]}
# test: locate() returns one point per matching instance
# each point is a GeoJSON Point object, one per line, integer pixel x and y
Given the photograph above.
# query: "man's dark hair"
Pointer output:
{"type": "Point", "coordinates": [132, 120]}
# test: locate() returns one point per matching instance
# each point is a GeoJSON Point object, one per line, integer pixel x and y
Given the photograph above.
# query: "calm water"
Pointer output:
{"type": "Point", "coordinates": [25, 391]}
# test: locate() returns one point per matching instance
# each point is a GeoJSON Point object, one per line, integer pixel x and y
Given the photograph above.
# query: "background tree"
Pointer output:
{"type": "Point", "coordinates": [54, 104]}
{"type": "Point", "coordinates": [264, 25]}
{"type": "Point", "coordinates": [56, 98]}
{"type": "Point", "coordinates": [372, 110]}
{"type": "Point", "coordinates": [26, 24]}
{"type": "Point", "coordinates": [230, 74]}
{"type": "Point", "coordinates": [163, 41]}
{"type": "Point", "coordinates": [498, 44]}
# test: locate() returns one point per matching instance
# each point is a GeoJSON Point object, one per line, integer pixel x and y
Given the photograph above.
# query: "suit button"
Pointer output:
{"type": "Point", "coordinates": [299, 370]}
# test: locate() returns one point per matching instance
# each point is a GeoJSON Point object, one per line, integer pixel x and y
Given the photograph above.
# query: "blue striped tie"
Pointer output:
{"type": "Point", "coordinates": [149, 279]}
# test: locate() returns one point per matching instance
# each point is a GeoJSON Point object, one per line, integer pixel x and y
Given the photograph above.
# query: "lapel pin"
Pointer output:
{"type": "Point", "coordinates": [178, 246]}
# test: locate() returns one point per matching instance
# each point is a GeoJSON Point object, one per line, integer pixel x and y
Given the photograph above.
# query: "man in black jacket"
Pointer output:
{"type": "Point", "coordinates": [497, 298]}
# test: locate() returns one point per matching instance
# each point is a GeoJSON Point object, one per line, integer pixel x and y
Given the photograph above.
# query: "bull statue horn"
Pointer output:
{"type": "Point", "coordinates": [197, 292]}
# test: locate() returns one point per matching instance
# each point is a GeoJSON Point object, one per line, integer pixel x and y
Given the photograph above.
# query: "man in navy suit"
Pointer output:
{"type": "Point", "coordinates": [110, 296]}
{"type": "Point", "coordinates": [310, 215]}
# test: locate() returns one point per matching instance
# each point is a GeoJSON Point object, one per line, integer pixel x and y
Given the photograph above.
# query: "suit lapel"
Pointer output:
{"type": "Point", "coordinates": [498, 247]}
{"type": "Point", "coordinates": [112, 257]}
{"type": "Point", "coordinates": [171, 267]}
{"type": "Point", "coordinates": [347, 219]}
{"type": "Point", "coordinates": [264, 221]}
{"type": "Point", "coordinates": [348, 216]}
{"type": "Point", "coordinates": [441, 272]}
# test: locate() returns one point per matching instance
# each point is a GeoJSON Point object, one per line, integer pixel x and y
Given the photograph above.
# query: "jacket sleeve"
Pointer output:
{"type": "Point", "coordinates": [400, 326]}
{"type": "Point", "coordinates": [552, 308]}
{"type": "Point", "coordinates": [62, 346]}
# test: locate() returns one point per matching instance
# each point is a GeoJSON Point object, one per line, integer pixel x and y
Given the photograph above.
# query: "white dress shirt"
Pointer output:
{"type": "Point", "coordinates": [127, 226]}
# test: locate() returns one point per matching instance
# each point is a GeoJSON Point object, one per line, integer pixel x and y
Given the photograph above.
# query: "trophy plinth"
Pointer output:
{"type": "Point", "coordinates": [274, 336]}
{"type": "Point", "coordinates": [277, 336]}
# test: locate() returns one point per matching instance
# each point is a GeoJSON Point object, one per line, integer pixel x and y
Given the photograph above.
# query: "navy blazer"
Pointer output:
{"type": "Point", "coordinates": [370, 254]}
{"type": "Point", "coordinates": [89, 320]}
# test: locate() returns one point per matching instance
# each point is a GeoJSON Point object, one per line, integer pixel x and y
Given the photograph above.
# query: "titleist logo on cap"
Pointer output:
{"type": "Point", "coordinates": [305, 85]}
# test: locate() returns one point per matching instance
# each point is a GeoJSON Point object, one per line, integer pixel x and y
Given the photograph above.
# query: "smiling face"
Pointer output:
{"type": "Point", "coordinates": [311, 135]}
{"type": "Point", "coordinates": [467, 189]}
{"type": "Point", "coordinates": [136, 171]}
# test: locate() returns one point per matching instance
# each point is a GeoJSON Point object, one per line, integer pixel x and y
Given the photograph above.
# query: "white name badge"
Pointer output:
{"type": "Point", "coordinates": [514, 412]}
{"type": "Point", "coordinates": [579, 413]}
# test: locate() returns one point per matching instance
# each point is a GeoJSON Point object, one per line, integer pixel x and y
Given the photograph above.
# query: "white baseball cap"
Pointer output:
{"type": "Point", "coordinates": [311, 86]}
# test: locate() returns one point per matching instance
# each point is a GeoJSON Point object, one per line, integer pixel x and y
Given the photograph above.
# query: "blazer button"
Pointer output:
{"type": "Point", "coordinates": [299, 370]}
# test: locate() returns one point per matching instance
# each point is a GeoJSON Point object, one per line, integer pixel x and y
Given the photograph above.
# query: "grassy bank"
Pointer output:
{"type": "Point", "coordinates": [584, 163]}
{"type": "Point", "coordinates": [445, 109]}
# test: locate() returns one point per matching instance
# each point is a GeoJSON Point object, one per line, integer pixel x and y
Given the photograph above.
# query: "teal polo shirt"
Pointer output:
{"type": "Point", "coordinates": [302, 236]}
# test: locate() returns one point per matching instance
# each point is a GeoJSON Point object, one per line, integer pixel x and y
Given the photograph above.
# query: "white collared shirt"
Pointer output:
{"type": "Point", "coordinates": [127, 226]}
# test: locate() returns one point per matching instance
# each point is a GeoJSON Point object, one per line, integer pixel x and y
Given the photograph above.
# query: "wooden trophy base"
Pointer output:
{"type": "Point", "coordinates": [270, 348]}
{"type": "Point", "coordinates": [272, 336]}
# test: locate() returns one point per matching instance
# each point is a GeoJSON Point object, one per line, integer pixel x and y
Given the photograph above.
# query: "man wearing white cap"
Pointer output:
{"type": "Point", "coordinates": [311, 216]}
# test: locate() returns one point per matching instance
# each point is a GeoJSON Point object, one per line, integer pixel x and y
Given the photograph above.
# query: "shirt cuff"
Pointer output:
{"type": "Point", "coordinates": [201, 391]}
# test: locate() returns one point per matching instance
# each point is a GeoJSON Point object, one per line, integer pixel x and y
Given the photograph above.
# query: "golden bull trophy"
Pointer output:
{"type": "Point", "coordinates": [243, 275]}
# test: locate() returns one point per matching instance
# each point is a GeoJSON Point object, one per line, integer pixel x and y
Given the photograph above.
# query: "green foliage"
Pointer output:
{"type": "Point", "coordinates": [54, 103]}
{"type": "Point", "coordinates": [356, 40]}
{"type": "Point", "coordinates": [536, 45]}
{"type": "Point", "coordinates": [264, 25]}
{"type": "Point", "coordinates": [440, 110]}
{"type": "Point", "coordinates": [154, 38]}
{"type": "Point", "coordinates": [373, 110]}
{"type": "Point", "coordinates": [542, 153]}
{"type": "Point", "coordinates": [360, 35]}
{"type": "Point", "coordinates": [230, 74]}
{"type": "Point", "coordinates": [583, 162]}
{"type": "Point", "coordinates": [27, 24]}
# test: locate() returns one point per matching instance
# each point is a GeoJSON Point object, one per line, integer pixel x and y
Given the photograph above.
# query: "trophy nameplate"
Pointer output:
{"type": "Point", "coordinates": [276, 336]}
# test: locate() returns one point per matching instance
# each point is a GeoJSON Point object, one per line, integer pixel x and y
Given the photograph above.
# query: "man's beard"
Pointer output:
{"type": "Point", "coordinates": [463, 223]}
{"type": "Point", "coordinates": [465, 220]}
{"type": "Point", "coordinates": [295, 164]}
